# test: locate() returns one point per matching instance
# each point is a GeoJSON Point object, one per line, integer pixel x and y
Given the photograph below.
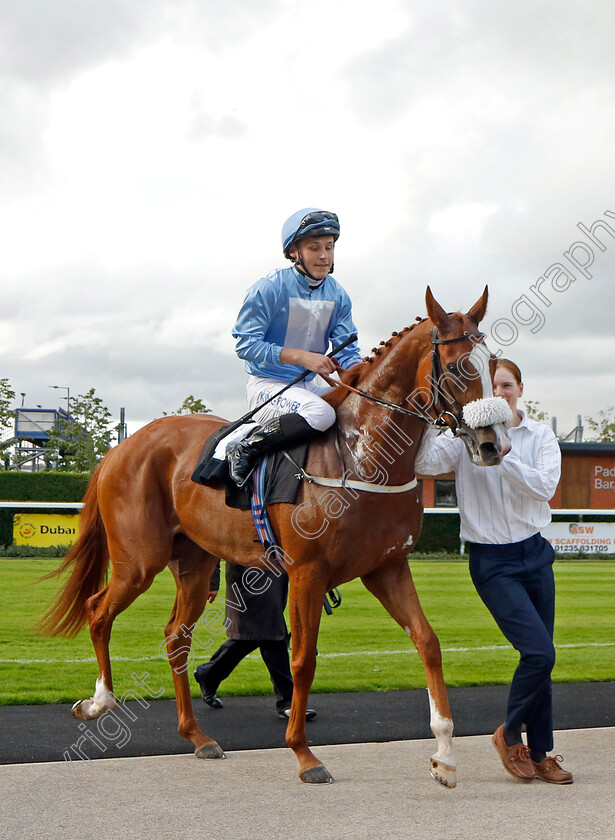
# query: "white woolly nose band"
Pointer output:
{"type": "Point", "coordinates": [486, 412]}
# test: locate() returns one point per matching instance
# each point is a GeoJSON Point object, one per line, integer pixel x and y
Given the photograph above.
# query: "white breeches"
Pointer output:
{"type": "Point", "coordinates": [305, 399]}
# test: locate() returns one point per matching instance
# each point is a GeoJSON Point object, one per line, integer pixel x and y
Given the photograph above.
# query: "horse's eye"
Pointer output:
{"type": "Point", "coordinates": [453, 368]}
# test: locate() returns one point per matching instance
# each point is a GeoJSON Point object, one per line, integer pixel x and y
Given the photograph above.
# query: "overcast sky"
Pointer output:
{"type": "Point", "coordinates": [150, 151]}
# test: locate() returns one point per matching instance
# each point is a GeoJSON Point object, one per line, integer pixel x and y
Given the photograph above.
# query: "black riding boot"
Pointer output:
{"type": "Point", "coordinates": [274, 434]}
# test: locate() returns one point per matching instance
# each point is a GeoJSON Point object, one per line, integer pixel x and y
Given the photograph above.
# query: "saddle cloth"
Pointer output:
{"type": "Point", "coordinates": [281, 485]}
{"type": "Point", "coordinates": [281, 479]}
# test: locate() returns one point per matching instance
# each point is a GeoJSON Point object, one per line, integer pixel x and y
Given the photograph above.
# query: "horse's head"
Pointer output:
{"type": "Point", "coordinates": [455, 381]}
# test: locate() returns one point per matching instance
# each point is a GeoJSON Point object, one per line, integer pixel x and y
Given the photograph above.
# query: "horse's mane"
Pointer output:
{"type": "Point", "coordinates": [357, 373]}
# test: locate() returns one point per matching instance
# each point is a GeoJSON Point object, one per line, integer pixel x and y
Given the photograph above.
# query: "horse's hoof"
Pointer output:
{"type": "Point", "coordinates": [318, 775]}
{"type": "Point", "coordinates": [210, 750]}
{"type": "Point", "coordinates": [443, 773]}
{"type": "Point", "coordinates": [86, 710]}
{"type": "Point", "coordinates": [77, 710]}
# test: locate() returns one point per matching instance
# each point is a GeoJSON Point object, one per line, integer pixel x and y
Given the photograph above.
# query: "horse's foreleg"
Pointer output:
{"type": "Point", "coordinates": [305, 606]}
{"type": "Point", "coordinates": [394, 588]}
{"type": "Point", "coordinates": [192, 573]}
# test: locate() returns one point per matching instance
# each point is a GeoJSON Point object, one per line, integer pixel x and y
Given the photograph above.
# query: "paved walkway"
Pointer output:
{"type": "Point", "coordinates": [44, 733]}
{"type": "Point", "coordinates": [381, 791]}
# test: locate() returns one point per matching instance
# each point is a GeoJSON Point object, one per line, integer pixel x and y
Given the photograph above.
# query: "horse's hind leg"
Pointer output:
{"type": "Point", "coordinates": [394, 588]}
{"type": "Point", "coordinates": [192, 568]}
{"type": "Point", "coordinates": [128, 581]}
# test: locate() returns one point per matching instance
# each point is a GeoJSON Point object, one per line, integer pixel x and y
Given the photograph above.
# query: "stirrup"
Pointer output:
{"type": "Point", "coordinates": [243, 480]}
{"type": "Point", "coordinates": [243, 483]}
{"type": "Point", "coordinates": [246, 455]}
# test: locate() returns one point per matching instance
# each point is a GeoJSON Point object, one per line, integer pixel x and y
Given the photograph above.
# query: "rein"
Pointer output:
{"type": "Point", "coordinates": [439, 397]}
{"type": "Point", "coordinates": [385, 403]}
{"type": "Point", "coordinates": [444, 403]}
{"type": "Point", "coordinates": [438, 394]}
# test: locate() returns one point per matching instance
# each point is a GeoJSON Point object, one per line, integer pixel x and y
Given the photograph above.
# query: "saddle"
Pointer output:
{"type": "Point", "coordinates": [282, 480]}
{"type": "Point", "coordinates": [278, 481]}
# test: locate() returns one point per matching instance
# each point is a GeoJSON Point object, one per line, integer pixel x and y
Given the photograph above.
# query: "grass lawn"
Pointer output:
{"type": "Point", "coordinates": [360, 647]}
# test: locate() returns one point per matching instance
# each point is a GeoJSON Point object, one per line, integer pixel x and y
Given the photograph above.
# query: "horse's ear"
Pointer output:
{"type": "Point", "coordinates": [477, 313]}
{"type": "Point", "coordinates": [436, 314]}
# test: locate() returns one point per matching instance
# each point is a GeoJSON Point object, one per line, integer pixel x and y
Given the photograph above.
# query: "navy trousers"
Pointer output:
{"type": "Point", "coordinates": [229, 655]}
{"type": "Point", "coordinates": [516, 584]}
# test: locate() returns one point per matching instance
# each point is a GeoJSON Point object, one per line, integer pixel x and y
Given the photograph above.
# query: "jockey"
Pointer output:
{"type": "Point", "coordinates": [284, 327]}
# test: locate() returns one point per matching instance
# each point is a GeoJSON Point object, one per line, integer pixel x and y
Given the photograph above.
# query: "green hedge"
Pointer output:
{"type": "Point", "coordinates": [440, 532]}
{"type": "Point", "coordinates": [42, 486]}
{"type": "Point", "coordinates": [37, 487]}
{"type": "Point", "coordinates": [6, 527]}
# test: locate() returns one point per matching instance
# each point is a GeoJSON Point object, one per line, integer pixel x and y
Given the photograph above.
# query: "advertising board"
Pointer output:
{"type": "Point", "coordinates": [45, 529]}
{"type": "Point", "coordinates": [581, 537]}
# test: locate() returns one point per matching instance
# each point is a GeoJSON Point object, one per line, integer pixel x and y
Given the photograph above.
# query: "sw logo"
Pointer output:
{"type": "Point", "coordinates": [574, 528]}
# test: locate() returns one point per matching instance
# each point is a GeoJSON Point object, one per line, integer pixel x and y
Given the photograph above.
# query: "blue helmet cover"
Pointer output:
{"type": "Point", "coordinates": [292, 227]}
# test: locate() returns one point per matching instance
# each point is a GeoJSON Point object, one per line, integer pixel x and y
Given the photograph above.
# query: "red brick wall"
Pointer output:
{"type": "Point", "coordinates": [588, 481]}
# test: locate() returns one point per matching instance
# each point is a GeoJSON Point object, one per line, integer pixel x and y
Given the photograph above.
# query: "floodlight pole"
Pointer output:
{"type": "Point", "coordinates": [67, 397]}
{"type": "Point", "coordinates": [121, 429]}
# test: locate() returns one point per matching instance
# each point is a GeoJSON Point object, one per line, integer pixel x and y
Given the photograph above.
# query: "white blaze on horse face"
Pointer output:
{"type": "Point", "coordinates": [503, 441]}
{"type": "Point", "coordinates": [479, 359]}
{"type": "Point", "coordinates": [442, 729]}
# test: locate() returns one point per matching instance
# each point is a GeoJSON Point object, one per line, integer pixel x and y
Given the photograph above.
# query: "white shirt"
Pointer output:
{"type": "Point", "coordinates": [506, 503]}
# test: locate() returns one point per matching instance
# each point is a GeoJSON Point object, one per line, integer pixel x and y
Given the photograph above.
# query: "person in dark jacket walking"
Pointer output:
{"type": "Point", "coordinates": [253, 620]}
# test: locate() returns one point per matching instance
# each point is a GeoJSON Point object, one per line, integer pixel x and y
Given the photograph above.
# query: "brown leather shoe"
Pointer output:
{"type": "Point", "coordinates": [549, 771]}
{"type": "Point", "coordinates": [516, 759]}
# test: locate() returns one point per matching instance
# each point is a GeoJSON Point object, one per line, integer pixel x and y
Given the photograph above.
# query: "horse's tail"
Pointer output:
{"type": "Point", "coordinates": [89, 559]}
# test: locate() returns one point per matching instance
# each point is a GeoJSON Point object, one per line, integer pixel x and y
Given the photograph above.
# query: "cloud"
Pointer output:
{"type": "Point", "coordinates": [50, 42]}
{"type": "Point", "coordinates": [461, 221]}
{"type": "Point", "coordinates": [150, 152]}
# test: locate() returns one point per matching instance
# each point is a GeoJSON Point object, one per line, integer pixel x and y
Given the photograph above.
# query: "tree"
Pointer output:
{"type": "Point", "coordinates": [81, 439]}
{"type": "Point", "coordinates": [7, 414]}
{"type": "Point", "coordinates": [191, 405]}
{"type": "Point", "coordinates": [535, 412]}
{"type": "Point", "coordinates": [602, 430]}
{"type": "Point", "coordinates": [7, 418]}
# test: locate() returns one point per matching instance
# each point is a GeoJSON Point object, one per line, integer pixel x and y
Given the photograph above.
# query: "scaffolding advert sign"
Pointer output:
{"type": "Point", "coordinates": [45, 529]}
{"type": "Point", "coordinates": [581, 537]}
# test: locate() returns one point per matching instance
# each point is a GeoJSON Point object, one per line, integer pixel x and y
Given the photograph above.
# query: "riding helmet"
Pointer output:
{"type": "Point", "coordinates": [307, 224]}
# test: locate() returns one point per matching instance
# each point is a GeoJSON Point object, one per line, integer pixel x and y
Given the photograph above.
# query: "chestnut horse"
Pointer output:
{"type": "Point", "coordinates": [142, 512]}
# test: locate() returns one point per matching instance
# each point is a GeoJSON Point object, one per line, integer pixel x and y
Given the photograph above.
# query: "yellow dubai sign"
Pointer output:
{"type": "Point", "coordinates": [45, 529]}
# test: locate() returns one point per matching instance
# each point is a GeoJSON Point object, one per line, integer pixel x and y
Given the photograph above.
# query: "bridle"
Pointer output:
{"type": "Point", "coordinates": [442, 399]}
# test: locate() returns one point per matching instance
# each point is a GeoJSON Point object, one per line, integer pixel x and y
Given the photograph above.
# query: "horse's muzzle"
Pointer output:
{"type": "Point", "coordinates": [489, 454]}
{"type": "Point", "coordinates": [486, 446]}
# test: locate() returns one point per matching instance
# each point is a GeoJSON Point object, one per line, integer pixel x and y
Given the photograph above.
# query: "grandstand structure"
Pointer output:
{"type": "Point", "coordinates": [24, 448]}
